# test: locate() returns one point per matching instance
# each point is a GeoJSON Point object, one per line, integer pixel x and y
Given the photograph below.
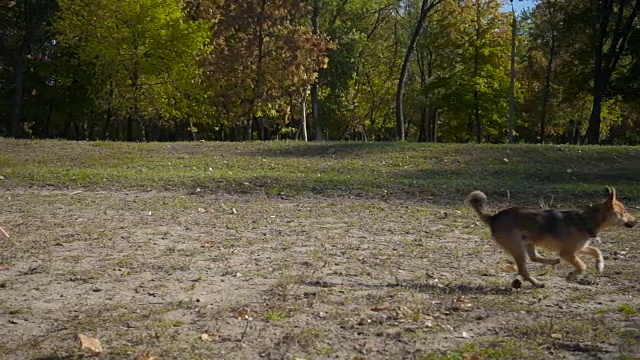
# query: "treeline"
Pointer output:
{"type": "Point", "coordinates": [425, 70]}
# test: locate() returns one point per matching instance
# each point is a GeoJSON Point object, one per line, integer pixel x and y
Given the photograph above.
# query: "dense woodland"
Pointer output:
{"type": "Point", "coordinates": [424, 70]}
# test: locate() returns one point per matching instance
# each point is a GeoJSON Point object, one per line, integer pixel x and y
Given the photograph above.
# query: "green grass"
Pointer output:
{"type": "Point", "coordinates": [627, 309]}
{"type": "Point", "coordinates": [520, 173]}
{"type": "Point", "coordinates": [490, 349]}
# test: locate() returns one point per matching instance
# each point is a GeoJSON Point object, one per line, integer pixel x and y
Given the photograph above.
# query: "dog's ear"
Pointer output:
{"type": "Point", "coordinates": [612, 195]}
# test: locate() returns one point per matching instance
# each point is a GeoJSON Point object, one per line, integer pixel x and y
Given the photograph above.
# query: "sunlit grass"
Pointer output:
{"type": "Point", "coordinates": [520, 173]}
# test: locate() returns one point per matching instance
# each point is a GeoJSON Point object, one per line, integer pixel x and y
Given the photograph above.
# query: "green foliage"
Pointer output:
{"type": "Point", "coordinates": [230, 70]}
{"type": "Point", "coordinates": [143, 54]}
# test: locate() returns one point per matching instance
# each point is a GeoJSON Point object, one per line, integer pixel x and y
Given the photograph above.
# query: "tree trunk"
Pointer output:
{"type": "Point", "coordinates": [433, 122]}
{"type": "Point", "coordinates": [248, 130]}
{"type": "Point", "coordinates": [18, 98]}
{"type": "Point", "coordinates": [423, 134]}
{"type": "Point", "coordinates": [261, 128]}
{"type": "Point", "coordinates": [512, 76]}
{"type": "Point", "coordinates": [547, 87]}
{"type": "Point", "coordinates": [257, 91]}
{"type": "Point", "coordinates": [476, 66]}
{"type": "Point", "coordinates": [109, 114]}
{"type": "Point", "coordinates": [593, 131]}
{"type": "Point", "coordinates": [548, 73]}
{"type": "Point", "coordinates": [303, 125]}
{"type": "Point", "coordinates": [476, 116]}
{"type": "Point", "coordinates": [427, 6]}
{"type": "Point", "coordinates": [315, 102]}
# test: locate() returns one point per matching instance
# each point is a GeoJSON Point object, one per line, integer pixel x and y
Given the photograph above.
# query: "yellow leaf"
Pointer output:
{"type": "Point", "coordinates": [89, 343]}
{"type": "Point", "coordinates": [147, 355]}
{"type": "Point", "coordinates": [508, 268]}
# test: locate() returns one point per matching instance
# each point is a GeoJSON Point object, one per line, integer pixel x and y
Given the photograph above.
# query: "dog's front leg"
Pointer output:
{"type": "Point", "coordinates": [596, 254]}
{"type": "Point", "coordinates": [577, 263]}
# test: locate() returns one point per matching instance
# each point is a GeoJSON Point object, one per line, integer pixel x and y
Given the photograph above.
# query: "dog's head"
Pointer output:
{"type": "Point", "coordinates": [615, 212]}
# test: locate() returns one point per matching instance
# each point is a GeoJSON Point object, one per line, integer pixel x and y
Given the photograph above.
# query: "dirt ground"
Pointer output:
{"type": "Point", "coordinates": [192, 275]}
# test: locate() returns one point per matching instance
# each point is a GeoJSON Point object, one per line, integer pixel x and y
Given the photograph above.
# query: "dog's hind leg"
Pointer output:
{"type": "Point", "coordinates": [512, 242]}
{"type": "Point", "coordinates": [534, 256]}
{"type": "Point", "coordinates": [596, 254]}
{"type": "Point", "coordinates": [574, 260]}
{"type": "Point", "coordinates": [521, 262]}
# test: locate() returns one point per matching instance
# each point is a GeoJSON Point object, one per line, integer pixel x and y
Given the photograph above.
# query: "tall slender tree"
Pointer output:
{"type": "Point", "coordinates": [614, 20]}
{"type": "Point", "coordinates": [425, 8]}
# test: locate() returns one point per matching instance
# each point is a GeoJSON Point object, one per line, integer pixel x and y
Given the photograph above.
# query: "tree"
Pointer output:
{"type": "Point", "coordinates": [425, 9]}
{"type": "Point", "coordinates": [614, 20]}
{"type": "Point", "coordinates": [263, 54]}
{"type": "Point", "coordinates": [25, 37]}
{"type": "Point", "coordinates": [473, 91]}
{"type": "Point", "coordinates": [141, 72]}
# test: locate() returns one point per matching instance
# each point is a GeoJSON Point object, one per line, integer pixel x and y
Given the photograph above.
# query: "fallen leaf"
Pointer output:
{"type": "Point", "coordinates": [4, 267]}
{"type": "Point", "coordinates": [402, 312]}
{"type": "Point", "coordinates": [243, 314]}
{"type": "Point", "coordinates": [379, 308]}
{"type": "Point", "coordinates": [89, 343]}
{"type": "Point", "coordinates": [4, 232]}
{"type": "Point", "coordinates": [460, 303]}
{"type": "Point", "coordinates": [207, 245]}
{"type": "Point", "coordinates": [508, 268]}
{"type": "Point", "coordinates": [147, 355]}
{"type": "Point", "coordinates": [205, 337]}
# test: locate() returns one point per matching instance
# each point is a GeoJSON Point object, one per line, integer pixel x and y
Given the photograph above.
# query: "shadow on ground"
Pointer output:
{"type": "Point", "coordinates": [424, 287]}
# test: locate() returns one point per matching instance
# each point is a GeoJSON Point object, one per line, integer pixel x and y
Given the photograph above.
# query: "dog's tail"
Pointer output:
{"type": "Point", "coordinates": [477, 200]}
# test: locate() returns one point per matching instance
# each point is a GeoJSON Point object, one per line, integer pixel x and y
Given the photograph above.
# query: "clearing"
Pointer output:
{"type": "Point", "coordinates": [286, 250]}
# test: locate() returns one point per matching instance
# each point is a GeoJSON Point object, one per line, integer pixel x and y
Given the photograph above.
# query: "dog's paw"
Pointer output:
{"type": "Point", "coordinates": [516, 284]}
{"type": "Point", "coordinates": [537, 284]}
{"type": "Point", "coordinates": [600, 266]}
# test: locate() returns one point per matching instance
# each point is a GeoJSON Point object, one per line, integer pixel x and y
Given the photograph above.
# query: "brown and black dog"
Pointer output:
{"type": "Point", "coordinates": [567, 232]}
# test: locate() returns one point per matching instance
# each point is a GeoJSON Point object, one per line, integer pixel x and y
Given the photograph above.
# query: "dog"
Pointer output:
{"type": "Point", "coordinates": [519, 231]}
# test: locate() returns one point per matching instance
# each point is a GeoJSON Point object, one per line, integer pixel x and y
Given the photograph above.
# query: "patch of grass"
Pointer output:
{"type": "Point", "coordinates": [627, 309]}
{"type": "Point", "coordinates": [274, 316]}
{"type": "Point", "coordinates": [13, 311]}
{"type": "Point", "coordinates": [306, 338]}
{"type": "Point", "coordinates": [595, 330]}
{"type": "Point", "coordinates": [169, 323]}
{"type": "Point", "coordinates": [525, 172]}
{"type": "Point", "coordinates": [490, 349]}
